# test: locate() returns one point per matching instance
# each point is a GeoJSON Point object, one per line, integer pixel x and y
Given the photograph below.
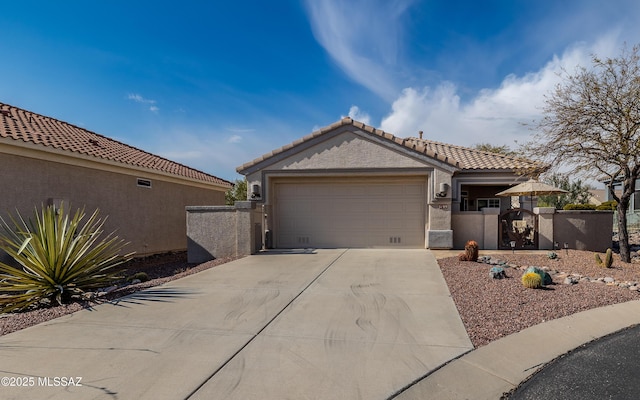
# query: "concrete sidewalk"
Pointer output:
{"type": "Point", "coordinates": [500, 366]}
{"type": "Point", "coordinates": [323, 325]}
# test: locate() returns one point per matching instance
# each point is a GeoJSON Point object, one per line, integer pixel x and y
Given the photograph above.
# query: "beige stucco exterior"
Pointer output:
{"type": "Point", "coordinates": [350, 154]}
{"type": "Point", "coordinates": [152, 218]}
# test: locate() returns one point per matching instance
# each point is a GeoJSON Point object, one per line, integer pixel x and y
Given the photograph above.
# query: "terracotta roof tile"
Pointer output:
{"type": "Point", "coordinates": [471, 159]}
{"type": "Point", "coordinates": [26, 126]}
{"type": "Point", "coordinates": [357, 124]}
{"type": "Point", "coordinates": [457, 156]}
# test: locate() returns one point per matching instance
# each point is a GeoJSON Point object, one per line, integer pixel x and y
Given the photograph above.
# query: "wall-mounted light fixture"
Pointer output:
{"type": "Point", "coordinates": [444, 188]}
{"type": "Point", "coordinates": [255, 192]}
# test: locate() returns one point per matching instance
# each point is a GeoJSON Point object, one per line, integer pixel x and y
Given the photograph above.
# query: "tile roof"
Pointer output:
{"type": "Point", "coordinates": [456, 156]}
{"type": "Point", "coordinates": [19, 124]}
{"type": "Point", "coordinates": [472, 159]}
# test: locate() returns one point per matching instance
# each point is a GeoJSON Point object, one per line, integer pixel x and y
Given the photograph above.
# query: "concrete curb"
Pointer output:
{"type": "Point", "coordinates": [500, 366]}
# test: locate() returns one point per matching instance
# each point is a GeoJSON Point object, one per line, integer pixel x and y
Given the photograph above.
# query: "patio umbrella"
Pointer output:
{"type": "Point", "coordinates": [531, 187]}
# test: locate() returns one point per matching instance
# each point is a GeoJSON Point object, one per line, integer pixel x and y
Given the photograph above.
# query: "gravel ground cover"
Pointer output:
{"type": "Point", "coordinates": [489, 308]}
{"type": "Point", "coordinates": [160, 269]}
{"type": "Point", "coordinates": [493, 308]}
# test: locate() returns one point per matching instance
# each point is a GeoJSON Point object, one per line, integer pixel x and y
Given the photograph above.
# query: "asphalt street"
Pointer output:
{"type": "Point", "coordinates": [607, 368]}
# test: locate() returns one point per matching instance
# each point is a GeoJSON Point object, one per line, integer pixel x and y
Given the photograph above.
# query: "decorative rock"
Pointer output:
{"type": "Point", "coordinates": [110, 288]}
{"type": "Point", "coordinates": [88, 295]}
{"type": "Point", "coordinates": [633, 288]}
{"type": "Point", "coordinates": [609, 279]}
{"type": "Point", "coordinates": [497, 273]}
{"type": "Point", "coordinates": [133, 282]}
{"type": "Point", "coordinates": [570, 280]}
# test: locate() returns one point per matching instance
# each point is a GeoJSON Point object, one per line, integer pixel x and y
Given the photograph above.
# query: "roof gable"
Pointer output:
{"type": "Point", "coordinates": [415, 149]}
{"type": "Point", "coordinates": [455, 157]}
{"type": "Point", "coordinates": [28, 127]}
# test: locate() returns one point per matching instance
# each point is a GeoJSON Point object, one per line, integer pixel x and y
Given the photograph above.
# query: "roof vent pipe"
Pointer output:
{"type": "Point", "coordinates": [420, 134]}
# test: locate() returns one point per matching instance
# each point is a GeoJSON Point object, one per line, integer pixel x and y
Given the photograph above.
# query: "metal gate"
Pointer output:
{"type": "Point", "coordinates": [518, 230]}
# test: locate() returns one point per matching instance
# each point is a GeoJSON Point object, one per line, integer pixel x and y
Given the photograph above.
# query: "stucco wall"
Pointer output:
{"type": "Point", "coordinates": [583, 230]}
{"type": "Point", "coordinates": [223, 231]}
{"type": "Point", "coordinates": [152, 219]}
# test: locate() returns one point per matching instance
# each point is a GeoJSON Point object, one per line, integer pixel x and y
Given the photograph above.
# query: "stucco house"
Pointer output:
{"type": "Point", "coordinates": [47, 161]}
{"type": "Point", "coordinates": [352, 185]}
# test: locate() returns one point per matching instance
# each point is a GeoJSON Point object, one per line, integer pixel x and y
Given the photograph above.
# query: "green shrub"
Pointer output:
{"type": "Point", "coordinates": [531, 280]}
{"type": "Point", "coordinates": [579, 207]}
{"type": "Point", "coordinates": [58, 256]}
{"type": "Point", "coordinates": [607, 205]}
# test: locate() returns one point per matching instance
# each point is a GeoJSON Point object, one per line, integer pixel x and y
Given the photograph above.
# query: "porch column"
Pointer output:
{"type": "Point", "coordinates": [545, 227]}
{"type": "Point", "coordinates": [491, 228]}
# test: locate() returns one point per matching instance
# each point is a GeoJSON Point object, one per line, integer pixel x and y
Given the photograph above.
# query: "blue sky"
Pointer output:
{"type": "Point", "coordinates": [215, 84]}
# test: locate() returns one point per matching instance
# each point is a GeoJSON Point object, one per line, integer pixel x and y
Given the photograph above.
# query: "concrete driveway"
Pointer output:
{"type": "Point", "coordinates": [322, 324]}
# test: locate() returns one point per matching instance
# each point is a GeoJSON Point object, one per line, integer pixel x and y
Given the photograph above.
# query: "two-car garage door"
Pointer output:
{"type": "Point", "coordinates": [374, 212]}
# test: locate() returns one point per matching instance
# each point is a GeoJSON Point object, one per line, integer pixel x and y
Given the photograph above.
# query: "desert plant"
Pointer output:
{"type": "Point", "coordinates": [470, 251]}
{"type": "Point", "coordinates": [598, 259]}
{"type": "Point", "coordinates": [552, 255]}
{"type": "Point", "coordinates": [608, 259]}
{"type": "Point", "coordinates": [544, 276]}
{"type": "Point", "coordinates": [531, 280]}
{"type": "Point", "coordinates": [57, 256]}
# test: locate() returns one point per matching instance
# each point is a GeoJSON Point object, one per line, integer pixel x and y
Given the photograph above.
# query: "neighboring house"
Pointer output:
{"type": "Point", "coordinates": [351, 185]}
{"type": "Point", "coordinates": [47, 161]}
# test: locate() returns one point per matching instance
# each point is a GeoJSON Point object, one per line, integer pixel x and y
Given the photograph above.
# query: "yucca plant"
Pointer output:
{"type": "Point", "coordinates": [57, 255]}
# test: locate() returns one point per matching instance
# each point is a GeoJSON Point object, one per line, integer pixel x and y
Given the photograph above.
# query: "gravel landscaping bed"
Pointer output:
{"type": "Point", "coordinates": [493, 308]}
{"type": "Point", "coordinates": [489, 308]}
{"type": "Point", "coordinates": [160, 269]}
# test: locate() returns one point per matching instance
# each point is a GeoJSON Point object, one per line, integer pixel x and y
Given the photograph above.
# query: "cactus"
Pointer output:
{"type": "Point", "coordinates": [470, 252]}
{"type": "Point", "coordinates": [608, 259]}
{"type": "Point", "coordinates": [545, 278]}
{"type": "Point", "coordinates": [598, 259]}
{"type": "Point", "coordinates": [531, 280]}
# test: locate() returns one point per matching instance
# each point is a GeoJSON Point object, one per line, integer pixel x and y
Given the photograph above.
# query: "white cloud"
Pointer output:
{"type": "Point", "coordinates": [234, 139]}
{"type": "Point", "coordinates": [356, 114]}
{"type": "Point", "coordinates": [363, 37]}
{"type": "Point", "coordinates": [139, 99]}
{"type": "Point", "coordinates": [493, 116]}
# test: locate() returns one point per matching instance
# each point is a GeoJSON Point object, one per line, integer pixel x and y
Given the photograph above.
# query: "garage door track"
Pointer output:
{"type": "Point", "coordinates": [313, 324]}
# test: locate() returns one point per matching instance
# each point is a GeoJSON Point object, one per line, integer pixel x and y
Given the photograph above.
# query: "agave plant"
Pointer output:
{"type": "Point", "coordinates": [56, 255]}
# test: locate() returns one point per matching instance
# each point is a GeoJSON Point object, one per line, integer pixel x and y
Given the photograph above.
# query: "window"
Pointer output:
{"type": "Point", "coordinates": [636, 200]}
{"type": "Point", "coordinates": [484, 203]}
{"type": "Point", "coordinates": [146, 183]}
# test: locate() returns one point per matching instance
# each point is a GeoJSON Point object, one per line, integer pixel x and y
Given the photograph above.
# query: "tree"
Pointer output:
{"type": "Point", "coordinates": [578, 192]}
{"type": "Point", "coordinates": [489, 148]}
{"type": "Point", "coordinates": [591, 122]}
{"type": "Point", "coordinates": [237, 193]}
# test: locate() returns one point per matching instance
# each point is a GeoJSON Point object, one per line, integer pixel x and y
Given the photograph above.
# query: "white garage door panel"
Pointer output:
{"type": "Point", "coordinates": [374, 213]}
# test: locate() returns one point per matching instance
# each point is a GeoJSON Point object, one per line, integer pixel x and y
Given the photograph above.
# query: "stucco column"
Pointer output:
{"type": "Point", "coordinates": [491, 228]}
{"type": "Point", "coordinates": [545, 227]}
{"type": "Point", "coordinates": [248, 228]}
